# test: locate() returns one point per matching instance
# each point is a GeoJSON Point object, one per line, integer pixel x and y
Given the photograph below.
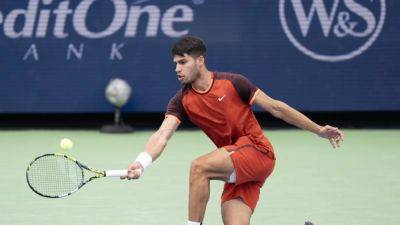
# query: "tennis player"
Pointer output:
{"type": "Point", "coordinates": [220, 104]}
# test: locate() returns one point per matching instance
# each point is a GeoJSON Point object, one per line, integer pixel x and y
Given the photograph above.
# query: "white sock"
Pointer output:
{"type": "Point", "coordinates": [193, 223]}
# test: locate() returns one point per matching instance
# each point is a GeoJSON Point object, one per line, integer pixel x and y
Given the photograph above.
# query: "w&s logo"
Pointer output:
{"type": "Point", "coordinates": [332, 30]}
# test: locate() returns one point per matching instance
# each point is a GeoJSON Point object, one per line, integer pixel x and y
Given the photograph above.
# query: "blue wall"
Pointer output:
{"type": "Point", "coordinates": [343, 56]}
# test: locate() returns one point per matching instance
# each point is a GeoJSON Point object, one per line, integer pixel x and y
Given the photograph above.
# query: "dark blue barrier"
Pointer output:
{"type": "Point", "coordinates": [320, 55]}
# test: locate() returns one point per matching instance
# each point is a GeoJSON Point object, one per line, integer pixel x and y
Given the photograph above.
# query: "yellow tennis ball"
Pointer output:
{"type": "Point", "coordinates": [66, 144]}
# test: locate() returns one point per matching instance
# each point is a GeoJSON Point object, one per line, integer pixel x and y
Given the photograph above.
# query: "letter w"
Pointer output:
{"type": "Point", "coordinates": [319, 7]}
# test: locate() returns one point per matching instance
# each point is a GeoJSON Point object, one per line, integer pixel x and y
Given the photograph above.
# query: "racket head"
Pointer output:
{"type": "Point", "coordinates": [56, 175]}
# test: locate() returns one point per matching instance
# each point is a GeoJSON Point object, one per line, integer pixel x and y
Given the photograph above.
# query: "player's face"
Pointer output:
{"type": "Point", "coordinates": [186, 68]}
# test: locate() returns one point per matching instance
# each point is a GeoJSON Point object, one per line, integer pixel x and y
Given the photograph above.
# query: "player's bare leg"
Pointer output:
{"type": "Point", "coordinates": [216, 165]}
{"type": "Point", "coordinates": [236, 212]}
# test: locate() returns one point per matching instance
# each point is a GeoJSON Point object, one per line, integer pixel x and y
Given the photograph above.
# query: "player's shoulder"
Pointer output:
{"type": "Point", "coordinates": [228, 76]}
{"type": "Point", "coordinates": [235, 78]}
{"type": "Point", "coordinates": [181, 92]}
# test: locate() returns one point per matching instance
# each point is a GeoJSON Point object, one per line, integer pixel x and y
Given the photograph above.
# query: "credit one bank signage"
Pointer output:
{"type": "Point", "coordinates": [42, 19]}
{"type": "Point", "coordinates": [317, 55]}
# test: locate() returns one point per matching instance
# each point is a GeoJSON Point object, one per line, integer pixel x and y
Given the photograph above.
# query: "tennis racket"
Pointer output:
{"type": "Point", "coordinates": [57, 175]}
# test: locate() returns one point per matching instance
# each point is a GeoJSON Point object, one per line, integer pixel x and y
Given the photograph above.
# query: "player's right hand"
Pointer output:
{"type": "Point", "coordinates": [135, 170]}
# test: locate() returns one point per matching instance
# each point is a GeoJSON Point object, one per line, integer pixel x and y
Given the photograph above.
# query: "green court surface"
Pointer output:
{"type": "Point", "coordinates": [356, 185]}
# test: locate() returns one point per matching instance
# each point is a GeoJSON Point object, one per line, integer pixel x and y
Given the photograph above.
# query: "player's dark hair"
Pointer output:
{"type": "Point", "coordinates": [190, 45]}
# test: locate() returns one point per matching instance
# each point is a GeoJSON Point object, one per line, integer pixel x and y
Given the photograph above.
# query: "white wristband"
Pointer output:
{"type": "Point", "coordinates": [144, 159]}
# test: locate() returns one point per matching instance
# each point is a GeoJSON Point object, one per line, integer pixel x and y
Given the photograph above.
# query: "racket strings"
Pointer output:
{"type": "Point", "coordinates": [54, 175]}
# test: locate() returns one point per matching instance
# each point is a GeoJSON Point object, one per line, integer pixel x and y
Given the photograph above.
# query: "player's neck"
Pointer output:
{"type": "Point", "coordinates": [204, 82]}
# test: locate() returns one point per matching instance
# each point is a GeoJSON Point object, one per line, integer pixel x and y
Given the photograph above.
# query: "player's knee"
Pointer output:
{"type": "Point", "coordinates": [197, 168]}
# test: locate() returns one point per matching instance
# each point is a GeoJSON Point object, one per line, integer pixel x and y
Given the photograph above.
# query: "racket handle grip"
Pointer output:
{"type": "Point", "coordinates": [116, 173]}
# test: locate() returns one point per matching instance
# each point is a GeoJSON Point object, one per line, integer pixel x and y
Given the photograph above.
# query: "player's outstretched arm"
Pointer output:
{"type": "Point", "coordinates": [157, 142]}
{"type": "Point", "coordinates": [153, 149]}
{"type": "Point", "coordinates": [283, 111]}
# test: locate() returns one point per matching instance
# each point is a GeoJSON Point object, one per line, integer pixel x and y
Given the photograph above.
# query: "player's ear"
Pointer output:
{"type": "Point", "coordinates": [200, 60]}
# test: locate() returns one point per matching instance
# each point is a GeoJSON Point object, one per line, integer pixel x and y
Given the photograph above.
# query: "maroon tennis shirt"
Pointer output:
{"type": "Point", "coordinates": [223, 111]}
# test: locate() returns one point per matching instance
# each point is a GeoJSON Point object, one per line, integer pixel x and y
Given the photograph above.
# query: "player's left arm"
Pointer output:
{"type": "Point", "coordinates": [283, 111]}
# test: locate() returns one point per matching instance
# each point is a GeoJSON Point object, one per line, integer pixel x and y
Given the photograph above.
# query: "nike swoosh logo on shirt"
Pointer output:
{"type": "Point", "coordinates": [221, 98]}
